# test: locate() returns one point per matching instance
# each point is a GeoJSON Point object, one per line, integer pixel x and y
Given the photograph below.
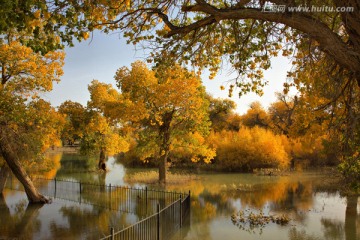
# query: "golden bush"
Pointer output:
{"type": "Point", "coordinates": [249, 148]}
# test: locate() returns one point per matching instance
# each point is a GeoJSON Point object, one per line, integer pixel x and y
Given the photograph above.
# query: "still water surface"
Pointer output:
{"type": "Point", "coordinates": [315, 212]}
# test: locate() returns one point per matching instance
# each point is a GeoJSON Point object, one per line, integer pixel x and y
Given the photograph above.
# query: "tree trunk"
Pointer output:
{"type": "Point", "coordinates": [102, 159]}
{"type": "Point", "coordinates": [350, 217]}
{"type": "Point", "coordinates": [4, 209]}
{"type": "Point", "coordinates": [4, 174]}
{"type": "Point", "coordinates": [162, 167]}
{"type": "Point", "coordinates": [164, 133]}
{"type": "Point", "coordinates": [14, 164]}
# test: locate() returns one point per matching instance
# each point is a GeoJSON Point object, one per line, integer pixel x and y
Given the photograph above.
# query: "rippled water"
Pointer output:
{"type": "Point", "coordinates": [315, 211]}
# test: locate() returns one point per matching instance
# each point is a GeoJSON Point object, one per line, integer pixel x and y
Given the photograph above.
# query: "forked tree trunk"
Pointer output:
{"type": "Point", "coordinates": [14, 164]}
{"type": "Point", "coordinates": [4, 174]}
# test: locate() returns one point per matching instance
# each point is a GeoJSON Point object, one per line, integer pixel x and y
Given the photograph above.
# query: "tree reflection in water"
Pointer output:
{"type": "Point", "coordinates": [86, 223]}
{"type": "Point", "coordinates": [22, 223]}
{"type": "Point", "coordinates": [303, 200]}
{"type": "Point", "coordinates": [295, 234]}
{"type": "Point", "coordinates": [333, 229]}
{"type": "Point", "coordinates": [351, 216]}
{"type": "Point", "coordinates": [214, 198]}
{"type": "Point", "coordinates": [59, 220]}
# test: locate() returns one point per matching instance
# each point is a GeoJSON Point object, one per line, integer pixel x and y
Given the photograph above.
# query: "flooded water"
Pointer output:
{"type": "Point", "coordinates": [314, 211]}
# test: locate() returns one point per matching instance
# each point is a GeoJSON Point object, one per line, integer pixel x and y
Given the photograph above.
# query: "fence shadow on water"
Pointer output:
{"type": "Point", "coordinates": [162, 213]}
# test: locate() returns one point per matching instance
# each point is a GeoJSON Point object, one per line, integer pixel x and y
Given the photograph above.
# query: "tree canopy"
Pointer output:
{"type": "Point", "coordinates": [323, 44]}
{"type": "Point", "coordinates": [205, 34]}
{"type": "Point", "coordinates": [166, 107]}
{"type": "Point", "coordinates": [28, 124]}
{"type": "Point", "coordinates": [73, 128]}
{"type": "Point", "coordinates": [246, 33]}
{"type": "Point", "coordinates": [94, 132]}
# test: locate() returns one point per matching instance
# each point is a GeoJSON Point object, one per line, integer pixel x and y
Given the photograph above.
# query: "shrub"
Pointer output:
{"type": "Point", "coordinates": [249, 148]}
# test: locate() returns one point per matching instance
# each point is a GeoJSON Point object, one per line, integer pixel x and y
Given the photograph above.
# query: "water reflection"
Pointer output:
{"type": "Point", "coordinates": [350, 217]}
{"type": "Point", "coordinates": [332, 228]}
{"type": "Point", "coordinates": [60, 220]}
{"type": "Point", "coordinates": [314, 214]}
{"type": "Point", "coordinates": [84, 169]}
{"type": "Point", "coordinates": [295, 234]}
{"type": "Point", "coordinates": [315, 211]}
{"type": "Point", "coordinates": [23, 223]}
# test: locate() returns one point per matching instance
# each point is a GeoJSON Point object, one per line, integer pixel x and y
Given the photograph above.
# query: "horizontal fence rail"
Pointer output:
{"type": "Point", "coordinates": [161, 225]}
{"type": "Point", "coordinates": [162, 213]}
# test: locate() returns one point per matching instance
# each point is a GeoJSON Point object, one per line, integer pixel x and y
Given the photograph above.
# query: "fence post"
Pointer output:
{"type": "Point", "coordinates": [11, 181]}
{"type": "Point", "coordinates": [110, 195]}
{"type": "Point", "coordinates": [158, 221]}
{"type": "Point", "coordinates": [80, 191]}
{"type": "Point", "coordinates": [180, 210]}
{"type": "Point", "coordinates": [112, 233]}
{"type": "Point", "coordinates": [55, 188]}
{"type": "Point", "coordinates": [146, 200]}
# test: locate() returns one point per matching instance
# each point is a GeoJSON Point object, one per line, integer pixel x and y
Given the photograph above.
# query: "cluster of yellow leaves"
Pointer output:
{"type": "Point", "coordinates": [105, 135]}
{"type": "Point", "coordinates": [51, 126]}
{"type": "Point", "coordinates": [306, 129]}
{"type": "Point", "coordinates": [152, 96]}
{"type": "Point", "coordinates": [149, 99]}
{"type": "Point", "coordinates": [116, 144]}
{"type": "Point", "coordinates": [54, 159]}
{"type": "Point", "coordinates": [255, 116]}
{"type": "Point", "coordinates": [194, 147]}
{"type": "Point", "coordinates": [40, 18]}
{"type": "Point", "coordinates": [27, 71]}
{"type": "Point", "coordinates": [98, 124]}
{"type": "Point", "coordinates": [113, 104]}
{"type": "Point", "coordinates": [249, 148]}
{"type": "Point", "coordinates": [38, 127]}
{"type": "Point", "coordinates": [309, 148]}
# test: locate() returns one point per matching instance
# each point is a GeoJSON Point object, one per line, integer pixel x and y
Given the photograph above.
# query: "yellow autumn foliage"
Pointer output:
{"type": "Point", "coordinates": [249, 148]}
{"type": "Point", "coordinates": [309, 149]}
{"type": "Point", "coordinates": [26, 71]}
{"type": "Point", "coordinates": [101, 134]}
{"type": "Point", "coordinates": [54, 158]}
{"type": "Point", "coordinates": [168, 101]}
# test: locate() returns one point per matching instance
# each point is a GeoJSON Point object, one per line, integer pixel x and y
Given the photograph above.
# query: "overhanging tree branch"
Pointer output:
{"type": "Point", "coordinates": [328, 41]}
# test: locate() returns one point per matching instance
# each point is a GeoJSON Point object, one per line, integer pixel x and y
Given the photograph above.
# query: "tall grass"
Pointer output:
{"type": "Point", "coordinates": [152, 177]}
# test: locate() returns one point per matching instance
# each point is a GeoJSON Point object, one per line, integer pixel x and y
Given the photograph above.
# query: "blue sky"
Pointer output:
{"type": "Point", "coordinates": [100, 56]}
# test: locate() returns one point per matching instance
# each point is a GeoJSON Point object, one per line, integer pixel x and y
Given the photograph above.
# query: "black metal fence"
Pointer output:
{"type": "Point", "coordinates": [162, 213]}
{"type": "Point", "coordinates": [161, 225]}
